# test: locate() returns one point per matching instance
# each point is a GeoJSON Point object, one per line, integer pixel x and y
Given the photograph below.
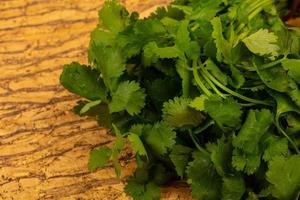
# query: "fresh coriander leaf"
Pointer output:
{"type": "Point", "coordinates": [263, 43]}
{"type": "Point", "coordinates": [117, 148]}
{"type": "Point", "coordinates": [292, 66]}
{"type": "Point", "coordinates": [246, 155]}
{"type": "Point", "coordinates": [227, 112]}
{"type": "Point", "coordinates": [277, 79]}
{"type": "Point", "coordinates": [221, 154]}
{"type": "Point", "coordinates": [152, 53]}
{"type": "Point", "coordinates": [138, 191]}
{"type": "Point", "coordinates": [137, 144]}
{"type": "Point", "coordinates": [135, 37]}
{"type": "Point", "coordinates": [110, 63]}
{"type": "Point", "coordinates": [233, 188]}
{"type": "Point", "coordinates": [223, 46]}
{"type": "Point", "coordinates": [98, 158]}
{"type": "Point", "coordinates": [180, 156]}
{"type": "Point", "coordinates": [184, 75]}
{"type": "Point", "coordinates": [178, 113]}
{"type": "Point", "coordinates": [284, 177]}
{"type": "Point", "coordinates": [128, 96]}
{"type": "Point", "coordinates": [216, 72]}
{"type": "Point", "coordinates": [203, 178]}
{"type": "Point", "coordinates": [113, 17]}
{"type": "Point", "coordinates": [198, 102]}
{"type": "Point", "coordinates": [274, 146]}
{"type": "Point", "coordinates": [237, 79]}
{"type": "Point", "coordinates": [83, 81]}
{"type": "Point", "coordinates": [88, 106]}
{"type": "Point", "coordinates": [160, 137]}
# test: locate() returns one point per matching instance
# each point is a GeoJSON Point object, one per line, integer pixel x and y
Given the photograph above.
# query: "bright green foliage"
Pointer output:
{"type": "Point", "coordinates": [284, 176]}
{"type": "Point", "coordinates": [137, 144]}
{"type": "Point", "coordinates": [206, 91]}
{"type": "Point", "coordinates": [292, 66]}
{"type": "Point", "coordinates": [83, 81]}
{"type": "Point", "coordinates": [128, 96]}
{"type": "Point", "coordinates": [262, 42]}
{"type": "Point", "coordinates": [274, 147]}
{"type": "Point", "coordinates": [226, 113]}
{"type": "Point", "coordinates": [160, 138]}
{"type": "Point", "coordinates": [204, 180]}
{"type": "Point", "coordinates": [180, 156]}
{"type": "Point", "coordinates": [233, 188]}
{"type": "Point", "coordinates": [138, 191]}
{"type": "Point", "coordinates": [246, 155]}
{"type": "Point", "coordinates": [98, 158]}
{"type": "Point", "coordinates": [178, 113]}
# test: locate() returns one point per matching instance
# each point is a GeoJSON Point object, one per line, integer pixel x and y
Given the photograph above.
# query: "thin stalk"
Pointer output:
{"type": "Point", "coordinates": [226, 89]}
{"type": "Point", "coordinates": [201, 129]}
{"type": "Point", "coordinates": [199, 82]}
{"type": "Point", "coordinates": [197, 145]}
{"type": "Point", "coordinates": [272, 64]}
{"type": "Point", "coordinates": [213, 86]}
{"type": "Point", "coordinates": [277, 123]}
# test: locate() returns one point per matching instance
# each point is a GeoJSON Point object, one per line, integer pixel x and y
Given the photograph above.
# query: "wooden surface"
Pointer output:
{"type": "Point", "coordinates": [43, 146]}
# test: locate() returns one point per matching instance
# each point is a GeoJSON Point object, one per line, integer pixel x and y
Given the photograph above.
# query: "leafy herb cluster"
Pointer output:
{"type": "Point", "coordinates": [204, 91]}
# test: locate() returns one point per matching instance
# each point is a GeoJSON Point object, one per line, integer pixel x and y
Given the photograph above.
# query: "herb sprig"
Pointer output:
{"type": "Point", "coordinates": [204, 91]}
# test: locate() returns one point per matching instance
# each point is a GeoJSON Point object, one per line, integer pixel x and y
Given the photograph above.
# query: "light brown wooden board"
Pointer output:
{"type": "Point", "coordinates": [43, 146]}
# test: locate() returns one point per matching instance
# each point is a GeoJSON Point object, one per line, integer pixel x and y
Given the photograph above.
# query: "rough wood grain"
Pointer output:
{"type": "Point", "coordinates": [43, 146]}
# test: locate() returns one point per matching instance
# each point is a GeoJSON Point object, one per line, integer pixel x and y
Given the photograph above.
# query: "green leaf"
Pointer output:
{"type": "Point", "coordinates": [221, 156]}
{"type": "Point", "coordinates": [138, 191]}
{"type": "Point", "coordinates": [110, 63]}
{"type": "Point", "coordinates": [262, 43]}
{"type": "Point", "coordinates": [223, 46]}
{"type": "Point", "coordinates": [178, 113]}
{"type": "Point", "coordinates": [160, 137]}
{"type": "Point", "coordinates": [128, 96]}
{"type": "Point", "coordinates": [216, 72]}
{"type": "Point", "coordinates": [292, 66]}
{"type": "Point", "coordinates": [274, 146]}
{"type": "Point", "coordinates": [198, 102]}
{"type": "Point", "coordinates": [98, 158]}
{"type": "Point", "coordinates": [180, 156]}
{"type": "Point", "coordinates": [284, 176]}
{"type": "Point", "coordinates": [152, 53]}
{"type": "Point", "coordinates": [113, 16]}
{"type": "Point", "coordinates": [203, 178]}
{"type": "Point", "coordinates": [226, 112]}
{"type": "Point", "coordinates": [184, 75]}
{"type": "Point", "coordinates": [83, 81]}
{"type": "Point", "coordinates": [233, 188]}
{"type": "Point", "coordinates": [117, 148]}
{"type": "Point", "coordinates": [89, 105]}
{"type": "Point", "coordinates": [246, 155]}
{"type": "Point", "coordinates": [137, 144]}
{"type": "Point", "coordinates": [136, 36]}
{"type": "Point", "coordinates": [113, 19]}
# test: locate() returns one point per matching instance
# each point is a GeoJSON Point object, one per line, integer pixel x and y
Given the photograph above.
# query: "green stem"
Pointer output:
{"type": "Point", "coordinates": [277, 123]}
{"type": "Point", "coordinates": [199, 82]}
{"type": "Point", "coordinates": [257, 8]}
{"type": "Point", "coordinates": [213, 86]}
{"type": "Point", "coordinates": [216, 82]}
{"type": "Point", "coordinates": [197, 145]}
{"type": "Point", "coordinates": [272, 64]}
{"type": "Point", "coordinates": [203, 128]}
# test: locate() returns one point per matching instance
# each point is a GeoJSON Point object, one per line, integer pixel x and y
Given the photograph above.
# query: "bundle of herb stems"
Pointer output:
{"type": "Point", "coordinates": [204, 91]}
